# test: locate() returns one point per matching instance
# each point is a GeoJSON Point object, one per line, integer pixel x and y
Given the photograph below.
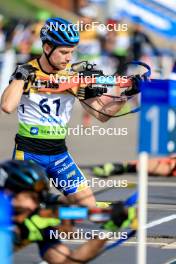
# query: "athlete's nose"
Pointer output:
{"type": "Point", "coordinates": [68, 57]}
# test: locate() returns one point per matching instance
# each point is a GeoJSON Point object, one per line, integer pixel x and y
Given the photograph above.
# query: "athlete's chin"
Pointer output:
{"type": "Point", "coordinates": [62, 66]}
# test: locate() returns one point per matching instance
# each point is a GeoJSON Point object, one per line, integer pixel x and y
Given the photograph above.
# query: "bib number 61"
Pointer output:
{"type": "Point", "coordinates": [46, 109]}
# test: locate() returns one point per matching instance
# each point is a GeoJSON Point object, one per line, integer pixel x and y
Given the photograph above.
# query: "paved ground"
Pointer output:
{"type": "Point", "coordinates": [97, 149]}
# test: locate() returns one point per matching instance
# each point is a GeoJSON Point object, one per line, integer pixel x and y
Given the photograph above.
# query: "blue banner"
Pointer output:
{"type": "Point", "coordinates": [172, 93]}
{"type": "Point", "coordinates": [155, 92]}
{"type": "Point", "coordinates": [171, 130]}
{"type": "Point", "coordinates": [153, 18]}
{"type": "Point", "coordinates": [158, 117]}
{"type": "Point", "coordinates": [153, 129]}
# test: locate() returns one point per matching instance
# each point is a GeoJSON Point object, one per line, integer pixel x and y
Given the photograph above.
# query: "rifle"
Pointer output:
{"type": "Point", "coordinates": [52, 207]}
{"type": "Point", "coordinates": [82, 74]}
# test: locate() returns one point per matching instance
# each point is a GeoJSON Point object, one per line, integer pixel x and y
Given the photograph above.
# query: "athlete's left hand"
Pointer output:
{"type": "Point", "coordinates": [135, 88]}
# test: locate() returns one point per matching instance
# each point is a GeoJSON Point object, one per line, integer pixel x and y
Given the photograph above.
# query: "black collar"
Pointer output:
{"type": "Point", "coordinates": [40, 66]}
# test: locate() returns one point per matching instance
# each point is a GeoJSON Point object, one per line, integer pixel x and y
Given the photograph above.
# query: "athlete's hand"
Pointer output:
{"type": "Point", "coordinates": [135, 88]}
{"type": "Point", "coordinates": [92, 91]}
{"type": "Point", "coordinates": [24, 72]}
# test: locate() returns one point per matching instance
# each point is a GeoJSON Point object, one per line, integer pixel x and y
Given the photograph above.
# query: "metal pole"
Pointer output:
{"type": "Point", "coordinates": [142, 208]}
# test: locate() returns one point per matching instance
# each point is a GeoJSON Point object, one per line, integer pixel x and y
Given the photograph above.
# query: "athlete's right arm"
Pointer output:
{"type": "Point", "coordinates": [11, 96]}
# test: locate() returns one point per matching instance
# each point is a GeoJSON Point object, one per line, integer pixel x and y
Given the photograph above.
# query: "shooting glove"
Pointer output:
{"type": "Point", "coordinates": [135, 89]}
{"type": "Point", "coordinates": [25, 72]}
{"type": "Point", "coordinates": [92, 91]}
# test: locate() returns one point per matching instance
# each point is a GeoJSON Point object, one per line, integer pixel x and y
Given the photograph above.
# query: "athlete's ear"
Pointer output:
{"type": "Point", "coordinates": [47, 48]}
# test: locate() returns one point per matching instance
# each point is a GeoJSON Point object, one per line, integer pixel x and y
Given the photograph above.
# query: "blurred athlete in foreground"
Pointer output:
{"type": "Point", "coordinates": [26, 185]}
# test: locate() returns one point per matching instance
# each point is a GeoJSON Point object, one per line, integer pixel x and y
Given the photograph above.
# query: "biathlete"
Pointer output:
{"type": "Point", "coordinates": [42, 116]}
